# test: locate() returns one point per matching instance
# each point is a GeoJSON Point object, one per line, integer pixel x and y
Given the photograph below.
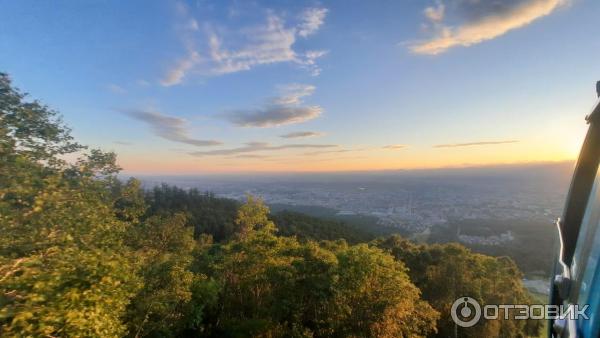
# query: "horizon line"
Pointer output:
{"type": "Point", "coordinates": [365, 171]}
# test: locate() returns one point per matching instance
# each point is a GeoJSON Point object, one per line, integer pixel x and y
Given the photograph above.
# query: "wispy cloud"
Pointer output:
{"type": "Point", "coordinates": [480, 143]}
{"type": "Point", "coordinates": [395, 146]}
{"type": "Point", "coordinates": [309, 61]}
{"type": "Point", "coordinates": [435, 13]}
{"type": "Point", "coordinates": [292, 94]}
{"type": "Point", "coordinates": [253, 147]}
{"type": "Point", "coordinates": [301, 134]}
{"type": "Point", "coordinates": [187, 27]}
{"type": "Point", "coordinates": [250, 156]}
{"type": "Point", "coordinates": [123, 143]}
{"type": "Point", "coordinates": [116, 88]}
{"type": "Point", "coordinates": [310, 21]}
{"type": "Point", "coordinates": [186, 21]}
{"type": "Point", "coordinates": [213, 52]}
{"type": "Point", "coordinates": [259, 45]}
{"type": "Point", "coordinates": [169, 127]}
{"type": "Point", "coordinates": [285, 109]}
{"type": "Point", "coordinates": [274, 115]}
{"type": "Point", "coordinates": [478, 21]}
{"type": "Point", "coordinates": [324, 152]}
{"type": "Point", "coordinates": [176, 74]}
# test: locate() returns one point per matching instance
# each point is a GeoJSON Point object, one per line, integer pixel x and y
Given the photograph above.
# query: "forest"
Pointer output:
{"type": "Point", "coordinates": [85, 254]}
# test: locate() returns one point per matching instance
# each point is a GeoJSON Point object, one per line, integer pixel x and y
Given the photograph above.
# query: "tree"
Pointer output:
{"type": "Point", "coordinates": [164, 246]}
{"type": "Point", "coordinates": [205, 212]}
{"type": "Point", "coordinates": [31, 130]}
{"type": "Point", "coordinates": [64, 270]}
{"type": "Point", "coordinates": [253, 215]}
{"type": "Point", "coordinates": [129, 202]}
{"type": "Point", "coordinates": [445, 272]}
{"type": "Point", "coordinates": [307, 227]}
{"type": "Point", "coordinates": [375, 297]}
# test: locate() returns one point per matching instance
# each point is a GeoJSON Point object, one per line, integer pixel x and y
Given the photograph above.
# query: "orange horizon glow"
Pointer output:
{"type": "Point", "coordinates": [145, 168]}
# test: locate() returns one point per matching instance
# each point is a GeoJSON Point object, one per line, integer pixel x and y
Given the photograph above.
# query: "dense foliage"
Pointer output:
{"type": "Point", "coordinates": [307, 227]}
{"type": "Point", "coordinates": [445, 272]}
{"type": "Point", "coordinates": [205, 212]}
{"type": "Point", "coordinates": [83, 254]}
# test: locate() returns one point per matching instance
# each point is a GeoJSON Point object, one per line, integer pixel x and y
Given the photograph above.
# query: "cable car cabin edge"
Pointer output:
{"type": "Point", "coordinates": [576, 280]}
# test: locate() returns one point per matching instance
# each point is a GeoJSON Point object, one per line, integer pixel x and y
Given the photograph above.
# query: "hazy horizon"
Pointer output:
{"type": "Point", "coordinates": [565, 165]}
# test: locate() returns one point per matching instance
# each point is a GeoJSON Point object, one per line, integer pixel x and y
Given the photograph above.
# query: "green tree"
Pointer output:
{"type": "Point", "coordinates": [64, 270]}
{"type": "Point", "coordinates": [375, 297]}
{"type": "Point", "coordinates": [30, 130]}
{"type": "Point", "coordinates": [129, 201]}
{"type": "Point", "coordinates": [164, 246]}
{"type": "Point", "coordinates": [207, 214]}
{"type": "Point", "coordinates": [445, 272]}
{"type": "Point", "coordinates": [253, 215]}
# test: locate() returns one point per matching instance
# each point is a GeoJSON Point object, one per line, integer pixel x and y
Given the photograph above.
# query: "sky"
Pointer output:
{"type": "Point", "coordinates": [194, 87]}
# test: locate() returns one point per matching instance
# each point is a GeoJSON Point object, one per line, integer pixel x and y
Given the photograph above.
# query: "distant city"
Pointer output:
{"type": "Point", "coordinates": [413, 201]}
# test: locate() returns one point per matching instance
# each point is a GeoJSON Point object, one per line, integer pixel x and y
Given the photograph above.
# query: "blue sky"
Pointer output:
{"type": "Point", "coordinates": [212, 86]}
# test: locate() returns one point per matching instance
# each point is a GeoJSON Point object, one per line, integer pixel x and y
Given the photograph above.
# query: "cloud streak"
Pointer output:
{"type": "Point", "coordinates": [301, 134]}
{"type": "Point", "coordinates": [324, 152]}
{"type": "Point", "coordinates": [481, 143]}
{"type": "Point", "coordinates": [285, 109]}
{"type": "Point", "coordinates": [249, 156]}
{"type": "Point", "coordinates": [395, 146]}
{"type": "Point", "coordinates": [227, 51]}
{"type": "Point", "coordinates": [253, 147]}
{"type": "Point", "coordinates": [274, 115]}
{"type": "Point", "coordinates": [479, 21]}
{"type": "Point", "coordinates": [169, 127]}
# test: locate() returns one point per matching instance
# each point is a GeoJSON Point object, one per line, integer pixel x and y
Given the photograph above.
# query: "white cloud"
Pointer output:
{"type": "Point", "coordinates": [480, 21]}
{"type": "Point", "coordinates": [311, 20]}
{"type": "Point", "coordinates": [281, 110]}
{"type": "Point", "coordinates": [224, 51]}
{"type": "Point", "coordinates": [309, 61]}
{"type": "Point", "coordinates": [271, 43]}
{"type": "Point", "coordinates": [169, 127]}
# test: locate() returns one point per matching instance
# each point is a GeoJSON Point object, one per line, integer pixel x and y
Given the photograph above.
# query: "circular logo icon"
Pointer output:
{"type": "Point", "coordinates": [465, 312]}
